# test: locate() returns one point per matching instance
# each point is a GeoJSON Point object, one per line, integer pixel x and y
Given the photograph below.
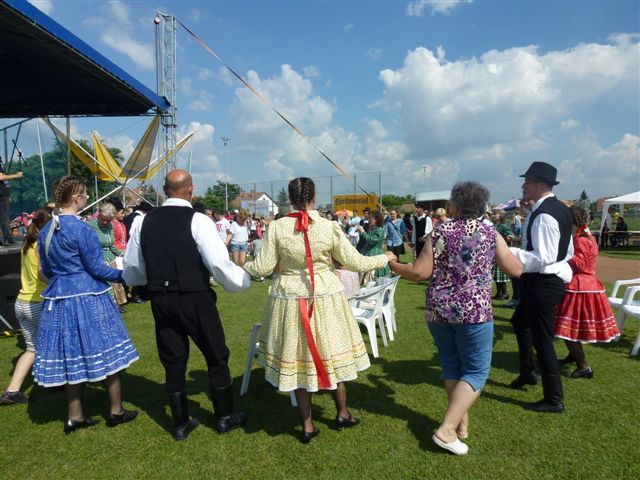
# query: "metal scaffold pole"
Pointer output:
{"type": "Point", "coordinates": [166, 26]}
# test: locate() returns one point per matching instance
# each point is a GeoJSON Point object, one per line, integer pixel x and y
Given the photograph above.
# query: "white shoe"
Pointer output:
{"type": "Point", "coordinates": [456, 447]}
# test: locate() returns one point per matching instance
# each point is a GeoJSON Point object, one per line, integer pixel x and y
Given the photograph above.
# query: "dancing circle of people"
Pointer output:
{"type": "Point", "coordinates": [77, 276]}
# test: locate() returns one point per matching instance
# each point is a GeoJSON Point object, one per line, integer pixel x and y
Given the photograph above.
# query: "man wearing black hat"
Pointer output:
{"type": "Point", "coordinates": [545, 260]}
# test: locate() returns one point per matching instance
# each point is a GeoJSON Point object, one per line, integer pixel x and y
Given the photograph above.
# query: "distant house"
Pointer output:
{"type": "Point", "coordinates": [258, 203]}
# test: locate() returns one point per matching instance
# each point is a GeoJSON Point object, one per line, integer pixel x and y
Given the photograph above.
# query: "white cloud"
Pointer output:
{"type": "Point", "coordinates": [119, 33]}
{"type": "Point", "coordinates": [195, 15]}
{"type": "Point", "coordinates": [311, 71]}
{"type": "Point", "coordinates": [569, 124]}
{"type": "Point", "coordinates": [348, 27]}
{"type": "Point", "coordinates": [292, 95]}
{"type": "Point", "coordinates": [186, 86]}
{"type": "Point", "coordinates": [202, 103]}
{"type": "Point", "coordinates": [373, 53]}
{"type": "Point", "coordinates": [417, 8]}
{"type": "Point", "coordinates": [45, 6]}
{"type": "Point", "coordinates": [225, 76]}
{"type": "Point", "coordinates": [206, 165]}
{"type": "Point", "coordinates": [612, 170]}
{"type": "Point", "coordinates": [504, 97]}
{"type": "Point", "coordinates": [205, 74]}
{"type": "Point", "coordinates": [142, 54]}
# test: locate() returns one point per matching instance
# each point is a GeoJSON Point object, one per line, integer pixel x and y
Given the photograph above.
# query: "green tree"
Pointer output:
{"type": "Point", "coordinates": [30, 193]}
{"type": "Point", "coordinates": [392, 202]}
{"type": "Point", "coordinates": [282, 199]}
{"type": "Point", "coordinates": [583, 201]}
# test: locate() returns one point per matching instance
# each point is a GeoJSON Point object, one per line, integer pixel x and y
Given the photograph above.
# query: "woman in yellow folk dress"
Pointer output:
{"type": "Point", "coordinates": [310, 340]}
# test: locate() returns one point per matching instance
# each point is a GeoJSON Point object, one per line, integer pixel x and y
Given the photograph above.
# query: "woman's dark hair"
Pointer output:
{"type": "Point", "coordinates": [40, 219]}
{"type": "Point", "coordinates": [378, 217]}
{"type": "Point", "coordinates": [580, 217]}
{"type": "Point", "coordinates": [116, 203]}
{"type": "Point", "coordinates": [470, 198]}
{"type": "Point", "coordinates": [302, 190]}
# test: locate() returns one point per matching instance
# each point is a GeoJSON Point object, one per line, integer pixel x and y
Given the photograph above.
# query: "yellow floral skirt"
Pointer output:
{"type": "Point", "coordinates": [284, 352]}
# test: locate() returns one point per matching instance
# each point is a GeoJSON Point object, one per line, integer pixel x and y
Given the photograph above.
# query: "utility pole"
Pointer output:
{"type": "Point", "coordinates": [424, 176]}
{"type": "Point", "coordinates": [225, 140]}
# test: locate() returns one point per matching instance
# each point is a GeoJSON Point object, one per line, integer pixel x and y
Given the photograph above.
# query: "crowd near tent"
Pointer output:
{"type": "Point", "coordinates": [621, 201]}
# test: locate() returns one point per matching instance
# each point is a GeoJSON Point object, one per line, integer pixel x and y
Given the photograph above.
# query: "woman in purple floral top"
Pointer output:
{"type": "Point", "coordinates": [458, 259]}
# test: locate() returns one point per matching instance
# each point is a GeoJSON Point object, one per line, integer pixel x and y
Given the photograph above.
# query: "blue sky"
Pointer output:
{"type": "Point", "coordinates": [427, 92]}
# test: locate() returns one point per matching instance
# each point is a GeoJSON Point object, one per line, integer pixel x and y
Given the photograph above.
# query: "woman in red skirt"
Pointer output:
{"type": "Point", "coordinates": [584, 316]}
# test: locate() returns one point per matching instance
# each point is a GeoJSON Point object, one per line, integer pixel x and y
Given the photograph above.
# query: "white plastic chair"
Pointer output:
{"type": "Point", "coordinates": [388, 305]}
{"type": "Point", "coordinates": [252, 351]}
{"type": "Point", "coordinates": [616, 301]}
{"type": "Point", "coordinates": [371, 314]}
{"type": "Point", "coordinates": [630, 307]}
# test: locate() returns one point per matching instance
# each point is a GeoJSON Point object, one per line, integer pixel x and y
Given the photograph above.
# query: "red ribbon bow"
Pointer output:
{"type": "Point", "coordinates": [302, 225]}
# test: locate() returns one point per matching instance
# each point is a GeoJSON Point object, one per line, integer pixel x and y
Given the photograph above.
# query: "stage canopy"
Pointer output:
{"type": "Point", "coordinates": [46, 70]}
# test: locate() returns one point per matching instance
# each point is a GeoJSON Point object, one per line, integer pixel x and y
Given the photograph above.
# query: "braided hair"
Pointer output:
{"type": "Point", "coordinates": [302, 191]}
{"type": "Point", "coordinates": [580, 218]}
{"type": "Point", "coordinates": [64, 189]}
{"type": "Point", "coordinates": [39, 220]}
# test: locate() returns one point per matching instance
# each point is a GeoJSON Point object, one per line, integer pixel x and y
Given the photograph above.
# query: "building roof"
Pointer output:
{"type": "Point", "coordinates": [47, 70]}
{"type": "Point", "coordinates": [247, 196]}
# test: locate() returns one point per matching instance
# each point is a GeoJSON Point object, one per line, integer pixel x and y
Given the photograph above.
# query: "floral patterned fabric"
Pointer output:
{"type": "Point", "coordinates": [284, 351]}
{"type": "Point", "coordinates": [460, 289]}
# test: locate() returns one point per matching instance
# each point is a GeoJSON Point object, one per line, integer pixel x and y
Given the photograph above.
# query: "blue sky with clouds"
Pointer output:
{"type": "Point", "coordinates": [428, 92]}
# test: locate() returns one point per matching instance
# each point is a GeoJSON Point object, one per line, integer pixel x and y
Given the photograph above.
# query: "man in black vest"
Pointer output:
{"type": "Point", "coordinates": [172, 251]}
{"type": "Point", "coordinates": [545, 260]}
{"type": "Point", "coordinates": [422, 226]}
{"type": "Point", "coordinates": [5, 194]}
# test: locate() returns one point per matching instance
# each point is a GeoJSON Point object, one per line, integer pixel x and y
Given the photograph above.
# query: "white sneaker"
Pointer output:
{"type": "Point", "coordinates": [456, 447]}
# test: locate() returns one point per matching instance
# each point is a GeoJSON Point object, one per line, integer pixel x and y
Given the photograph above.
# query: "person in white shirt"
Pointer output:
{"type": "Point", "coordinates": [223, 226]}
{"type": "Point", "coordinates": [422, 226]}
{"type": "Point", "coordinates": [549, 247]}
{"type": "Point", "coordinates": [239, 239]}
{"type": "Point", "coordinates": [172, 251]}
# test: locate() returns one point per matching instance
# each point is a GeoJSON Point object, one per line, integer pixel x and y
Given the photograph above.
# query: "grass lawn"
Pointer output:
{"type": "Point", "coordinates": [628, 253]}
{"type": "Point", "coordinates": [400, 399]}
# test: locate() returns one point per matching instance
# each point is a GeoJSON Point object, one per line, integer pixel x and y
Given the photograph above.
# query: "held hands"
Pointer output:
{"type": "Point", "coordinates": [391, 257]}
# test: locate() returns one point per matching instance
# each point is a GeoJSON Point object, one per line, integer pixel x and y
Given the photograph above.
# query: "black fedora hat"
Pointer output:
{"type": "Point", "coordinates": [542, 172]}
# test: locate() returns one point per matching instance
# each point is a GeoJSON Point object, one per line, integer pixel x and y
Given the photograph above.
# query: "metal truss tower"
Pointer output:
{"type": "Point", "coordinates": [166, 27]}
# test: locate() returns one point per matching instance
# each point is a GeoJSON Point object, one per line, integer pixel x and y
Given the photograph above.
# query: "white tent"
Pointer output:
{"type": "Point", "coordinates": [621, 201]}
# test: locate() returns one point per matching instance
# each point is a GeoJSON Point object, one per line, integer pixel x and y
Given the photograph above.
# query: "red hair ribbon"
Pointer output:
{"type": "Point", "coordinates": [302, 225]}
{"type": "Point", "coordinates": [581, 229]}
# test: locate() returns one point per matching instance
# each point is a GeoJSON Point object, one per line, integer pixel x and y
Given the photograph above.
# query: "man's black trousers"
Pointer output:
{"type": "Point", "coordinates": [183, 315]}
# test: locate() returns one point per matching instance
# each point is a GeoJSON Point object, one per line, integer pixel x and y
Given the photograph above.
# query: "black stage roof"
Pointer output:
{"type": "Point", "coordinates": [46, 70]}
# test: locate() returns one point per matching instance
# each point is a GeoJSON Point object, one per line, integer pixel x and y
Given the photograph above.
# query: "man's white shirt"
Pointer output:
{"type": "Point", "coordinates": [211, 248]}
{"type": "Point", "coordinates": [545, 235]}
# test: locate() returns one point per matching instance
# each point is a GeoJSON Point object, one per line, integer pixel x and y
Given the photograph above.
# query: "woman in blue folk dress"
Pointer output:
{"type": "Point", "coordinates": [82, 337]}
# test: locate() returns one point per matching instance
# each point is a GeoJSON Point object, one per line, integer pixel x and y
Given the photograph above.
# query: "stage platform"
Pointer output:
{"type": "Point", "coordinates": [9, 284]}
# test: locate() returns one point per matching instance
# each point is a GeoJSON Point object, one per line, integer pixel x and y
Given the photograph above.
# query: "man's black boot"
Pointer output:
{"type": "Point", "coordinates": [223, 410]}
{"type": "Point", "coordinates": [183, 424]}
{"type": "Point", "coordinates": [552, 401]}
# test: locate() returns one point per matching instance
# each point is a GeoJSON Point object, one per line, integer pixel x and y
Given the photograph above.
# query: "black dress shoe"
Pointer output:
{"type": "Point", "coordinates": [524, 379]}
{"type": "Point", "coordinates": [586, 373]}
{"type": "Point", "coordinates": [544, 406]}
{"type": "Point", "coordinates": [73, 425]}
{"type": "Point", "coordinates": [306, 437]}
{"type": "Point", "coordinates": [124, 417]}
{"type": "Point", "coordinates": [182, 431]}
{"type": "Point", "coordinates": [137, 299]}
{"type": "Point", "coordinates": [230, 422]}
{"type": "Point", "coordinates": [347, 422]}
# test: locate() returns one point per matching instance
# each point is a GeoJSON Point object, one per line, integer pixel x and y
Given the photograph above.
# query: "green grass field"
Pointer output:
{"type": "Point", "coordinates": [400, 400]}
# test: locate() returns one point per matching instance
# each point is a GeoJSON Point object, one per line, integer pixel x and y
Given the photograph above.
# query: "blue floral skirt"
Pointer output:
{"type": "Point", "coordinates": [81, 339]}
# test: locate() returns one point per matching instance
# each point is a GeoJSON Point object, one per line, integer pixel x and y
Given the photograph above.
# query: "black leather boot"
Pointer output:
{"type": "Point", "coordinates": [527, 369]}
{"type": "Point", "coordinates": [223, 410]}
{"type": "Point", "coordinates": [183, 424]}
{"type": "Point", "coordinates": [552, 401]}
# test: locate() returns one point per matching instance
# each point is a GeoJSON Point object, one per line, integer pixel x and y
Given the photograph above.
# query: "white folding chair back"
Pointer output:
{"type": "Point", "coordinates": [389, 307]}
{"type": "Point", "coordinates": [370, 315]}
{"type": "Point", "coordinates": [252, 351]}
{"type": "Point", "coordinates": [616, 301]}
{"type": "Point", "coordinates": [630, 307]}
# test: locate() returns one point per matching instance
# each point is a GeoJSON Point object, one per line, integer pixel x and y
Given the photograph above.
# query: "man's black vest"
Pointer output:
{"type": "Point", "coordinates": [170, 252]}
{"type": "Point", "coordinates": [554, 207]}
{"type": "Point", "coordinates": [420, 225]}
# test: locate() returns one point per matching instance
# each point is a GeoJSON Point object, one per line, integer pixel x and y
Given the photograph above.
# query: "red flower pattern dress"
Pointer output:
{"type": "Point", "coordinates": [585, 314]}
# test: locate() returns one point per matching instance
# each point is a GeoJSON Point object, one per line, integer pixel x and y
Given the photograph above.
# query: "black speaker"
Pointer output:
{"type": "Point", "coordinates": [9, 289]}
